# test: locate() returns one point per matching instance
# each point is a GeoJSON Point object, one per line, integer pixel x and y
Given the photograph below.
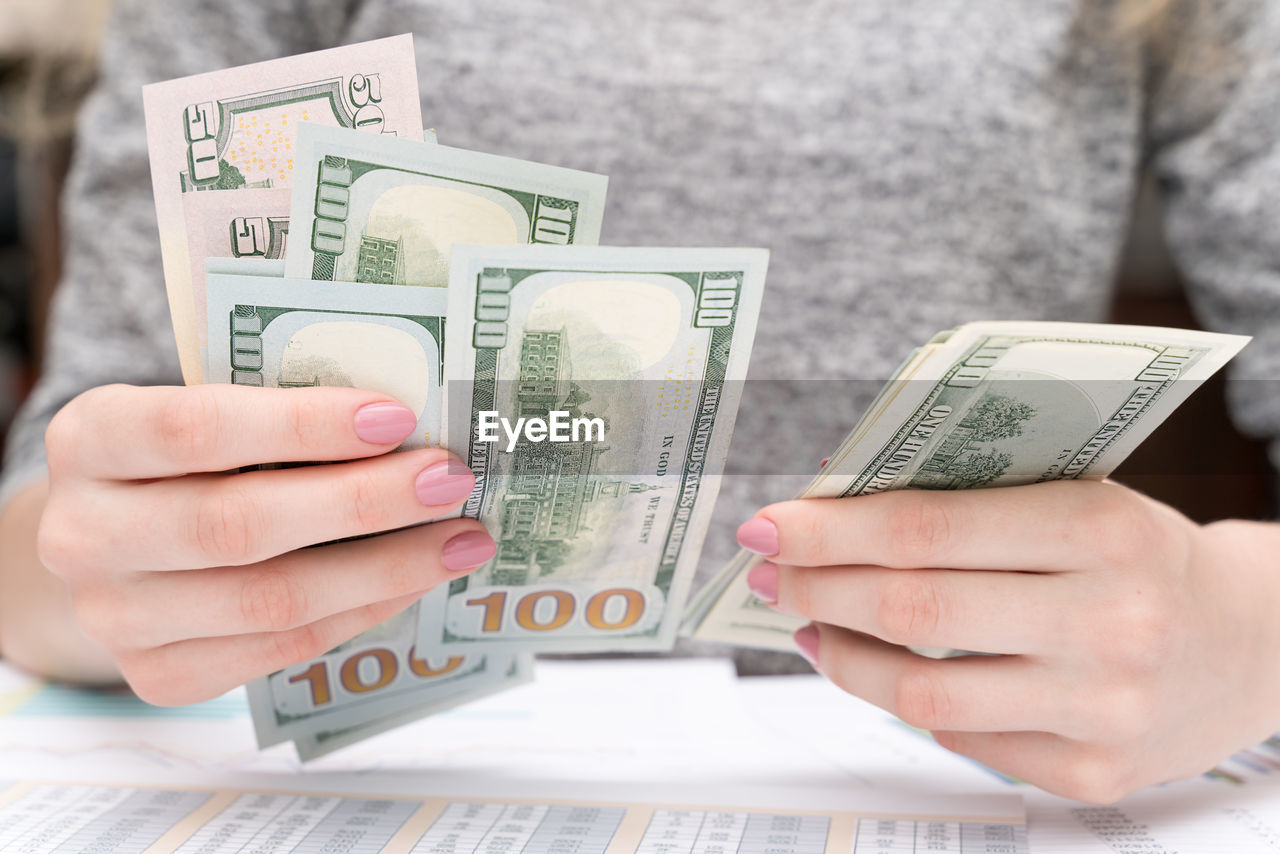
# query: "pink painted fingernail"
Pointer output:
{"type": "Point", "coordinates": [763, 581]}
{"type": "Point", "coordinates": [807, 640]}
{"type": "Point", "coordinates": [467, 551]}
{"type": "Point", "coordinates": [444, 483]}
{"type": "Point", "coordinates": [384, 423]}
{"type": "Point", "coordinates": [758, 535]}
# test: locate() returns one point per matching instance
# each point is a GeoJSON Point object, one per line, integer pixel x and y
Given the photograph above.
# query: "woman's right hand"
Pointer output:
{"type": "Point", "coordinates": [197, 580]}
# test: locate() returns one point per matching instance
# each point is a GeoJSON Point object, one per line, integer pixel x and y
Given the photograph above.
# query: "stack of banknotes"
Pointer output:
{"type": "Point", "coordinates": [989, 404]}
{"type": "Point", "coordinates": [397, 239]}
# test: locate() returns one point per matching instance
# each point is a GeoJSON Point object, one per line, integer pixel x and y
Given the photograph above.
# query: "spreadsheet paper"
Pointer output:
{"type": "Point", "coordinates": [52, 818]}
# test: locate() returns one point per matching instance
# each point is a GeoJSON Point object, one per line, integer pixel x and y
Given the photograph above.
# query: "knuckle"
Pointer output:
{"type": "Point", "coordinates": [60, 442]}
{"type": "Point", "coordinates": [1117, 525]}
{"type": "Point", "coordinates": [306, 424]}
{"type": "Point", "coordinates": [1144, 629]}
{"type": "Point", "coordinates": [402, 570]}
{"type": "Point", "coordinates": [795, 593]}
{"type": "Point", "coordinates": [366, 503]}
{"type": "Point", "coordinates": [297, 645]}
{"type": "Point", "coordinates": [141, 683]}
{"type": "Point", "coordinates": [154, 684]}
{"type": "Point", "coordinates": [186, 431]}
{"type": "Point", "coordinates": [58, 546]}
{"type": "Point", "coordinates": [910, 609]}
{"type": "Point", "coordinates": [804, 536]}
{"type": "Point", "coordinates": [229, 526]}
{"type": "Point", "coordinates": [100, 618]}
{"type": "Point", "coordinates": [273, 600]}
{"type": "Point", "coordinates": [918, 529]}
{"type": "Point", "coordinates": [1097, 778]}
{"type": "Point", "coordinates": [921, 700]}
{"type": "Point", "coordinates": [64, 436]}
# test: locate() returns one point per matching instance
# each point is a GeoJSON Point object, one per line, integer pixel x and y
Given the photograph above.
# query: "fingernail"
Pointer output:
{"type": "Point", "coordinates": [444, 483]}
{"type": "Point", "coordinates": [824, 462]}
{"type": "Point", "coordinates": [763, 581]}
{"type": "Point", "coordinates": [758, 535]}
{"type": "Point", "coordinates": [807, 641]}
{"type": "Point", "coordinates": [383, 423]}
{"type": "Point", "coordinates": [467, 551]}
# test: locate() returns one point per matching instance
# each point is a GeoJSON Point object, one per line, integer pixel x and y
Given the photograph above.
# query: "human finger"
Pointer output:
{"type": "Point", "coordinates": [1056, 764]}
{"type": "Point", "coordinates": [1061, 525]}
{"type": "Point", "coordinates": [193, 671]}
{"type": "Point", "coordinates": [284, 592]}
{"type": "Point", "coordinates": [204, 521]}
{"type": "Point", "coordinates": [995, 612]}
{"type": "Point", "coordinates": [122, 432]}
{"type": "Point", "coordinates": [970, 693]}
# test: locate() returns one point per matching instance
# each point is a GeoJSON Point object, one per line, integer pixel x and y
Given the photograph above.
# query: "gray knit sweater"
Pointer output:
{"type": "Point", "coordinates": [913, 164]}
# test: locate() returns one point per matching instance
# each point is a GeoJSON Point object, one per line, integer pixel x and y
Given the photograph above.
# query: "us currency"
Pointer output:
{"type": "Point", "coordinates": [598, 535]}
{"type": "Point", "coordinates": [505, 672]}
{"type": "Point", "coordinates": [989, 404]}
{"type": "Point", "coordinates": [288, 333]}
{"type": "Point", "coordinates": [235, 129]}
{"type": "Point", "coordinates": [244, 224]}
{"type": "Point", "coordinates": [279, 333]}
{"type": "Point", "coordinates": [388, 211]}
{"type": "Point", "coordinates": [249, 223]}
{"type": "Point", "coordinates": [375, 677]}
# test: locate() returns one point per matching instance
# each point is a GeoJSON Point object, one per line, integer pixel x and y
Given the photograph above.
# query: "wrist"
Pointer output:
{"type": "Point", "coordinates": [1243, 560]}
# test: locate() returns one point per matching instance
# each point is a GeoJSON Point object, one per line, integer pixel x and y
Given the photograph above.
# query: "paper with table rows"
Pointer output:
{"type": "Point", "coordinates": [52, 818]}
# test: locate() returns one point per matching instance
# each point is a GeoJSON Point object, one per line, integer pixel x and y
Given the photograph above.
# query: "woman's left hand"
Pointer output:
{"type": "Point", "coordinates": [1135, 646]}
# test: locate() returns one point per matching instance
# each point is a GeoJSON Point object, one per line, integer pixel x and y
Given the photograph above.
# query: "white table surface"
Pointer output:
{"type": "Point", "coordinates": [658, 724]}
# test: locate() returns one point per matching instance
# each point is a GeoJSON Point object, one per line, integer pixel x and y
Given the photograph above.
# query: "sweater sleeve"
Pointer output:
{"type": "Point", "coordinates": [109, 321]}
{"type": "Point", "coordinates": [1214, 131]}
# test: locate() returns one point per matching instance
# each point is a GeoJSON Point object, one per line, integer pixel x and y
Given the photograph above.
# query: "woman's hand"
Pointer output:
{"type": "Point", "coordinates": [197, 580]}
{"type": "Point", "coordinates": [1135, 646]}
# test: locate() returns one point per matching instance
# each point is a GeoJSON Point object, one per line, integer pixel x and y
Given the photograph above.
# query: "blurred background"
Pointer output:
{"type": "Point", "coordinates": [48, 56]}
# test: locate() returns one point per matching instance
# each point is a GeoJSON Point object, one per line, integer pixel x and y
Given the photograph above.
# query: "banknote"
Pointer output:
{"type": "Point", "coordinates": [280, 333]}
{"type": "Point", "coordinates": [501, 674]}
{"type": "Point", "coordinates": [251, 223]}
{"type": "Point", "coordinates": [265, 268]}
{"type": "Point", "coordinates": [990, 404]}
{"type": "Point", "coordinates": [248, 223]}
{"type": "Point", "coordinates": [284, 333]}
{"type": "Point", "coordinates": [377, 675]}
{"type": "Point", "coordinates": [388, 211]}
{"type": "Point", "coordinates": [598, 528]}
{"type": "Point", "coordinates": [235, 129]}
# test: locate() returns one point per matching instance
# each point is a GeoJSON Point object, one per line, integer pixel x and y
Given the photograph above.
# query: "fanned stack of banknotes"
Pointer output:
{"type": "Point", "coordinates": [397, 240]}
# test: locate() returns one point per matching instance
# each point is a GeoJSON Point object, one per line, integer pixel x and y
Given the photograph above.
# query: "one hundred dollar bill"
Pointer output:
{"type": "Point", "coordinates": [501, 673]}
{"type": "Point", "coordinates": [377, 675]}
{"type": "Point", "coordinates": [388, 211]}
{"type": "Point", "coordinates": [598, 530]}
{"type": "Point", "coordinates": [285, 333]}
{"type": "Point", "coordinates": [279, 333]}
{"type": "Point", "coordinates": [235, 129]}
{"type": "Point", "coordinates": [986, 405]}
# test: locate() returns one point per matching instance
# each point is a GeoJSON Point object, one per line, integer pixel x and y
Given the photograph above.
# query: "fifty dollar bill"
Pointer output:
{"type": "Point", "coordinates": [236, 128]}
